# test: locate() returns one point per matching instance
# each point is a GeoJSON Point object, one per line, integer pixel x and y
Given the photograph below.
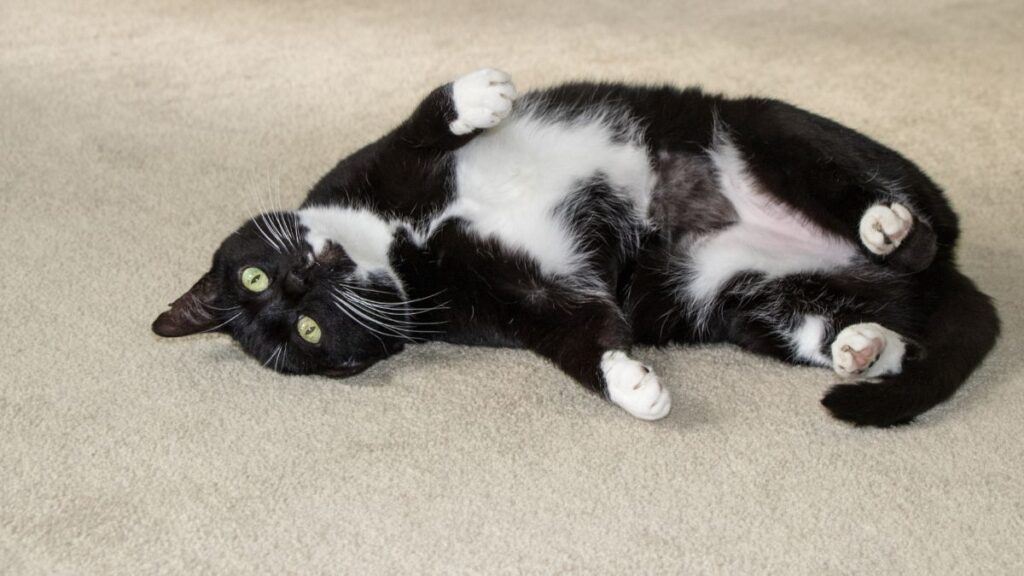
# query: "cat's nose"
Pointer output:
{"type": "Point", "coordinates": [295, 284]}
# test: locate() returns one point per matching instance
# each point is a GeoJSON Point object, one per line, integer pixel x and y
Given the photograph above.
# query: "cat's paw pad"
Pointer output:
{"type": "Point", "coordinates": [883, 228]}
{"type": "Point", "coordinates": [482, 99]}
{"type": "Point", "coordinates": [634, 387]}
{"type": "Point", "coordinates": [867, 350]}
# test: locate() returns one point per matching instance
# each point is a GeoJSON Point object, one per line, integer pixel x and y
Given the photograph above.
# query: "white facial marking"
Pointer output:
{"type": "Point", "coordinates": [806, 341]}
{"type": "Point", "coordinates": [883, 228]}
{"type": "Point", "coordinates": [769, 237]}
{"type": "Point", "coordinates": [634, 387]}
{"type": "Point", "coordinates": [511, 179]}
{"type": "Point", "coordinates": [867, 350]}
{"type": "Point", "coordinates": [482, 99]}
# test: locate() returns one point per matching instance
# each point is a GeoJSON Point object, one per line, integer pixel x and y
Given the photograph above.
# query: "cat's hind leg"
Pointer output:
{"type": "Point", "coordinates": [855, 326]}
{"type": "Point", "coordinates": [871, 332]}
{"type": "Point", "coordinates": [842, 181]}
{"type": "Point", "coordinates": [860, 351]}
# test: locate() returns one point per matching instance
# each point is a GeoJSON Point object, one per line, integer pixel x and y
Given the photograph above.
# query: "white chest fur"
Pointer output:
{"type": "Point", "coordinates": [510, 180]}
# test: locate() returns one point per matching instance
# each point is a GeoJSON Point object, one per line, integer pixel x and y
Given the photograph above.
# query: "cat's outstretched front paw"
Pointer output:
{"type": "Point", "coordinates": [634, 387]}
{"type": "Point", "coordinates": [867, 350]}
{"type": "Point", "coordinates": [482, 99]}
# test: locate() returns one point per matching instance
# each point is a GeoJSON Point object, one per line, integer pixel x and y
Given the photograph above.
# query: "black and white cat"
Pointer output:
{"type": "Point", "coordinates": [589, 218]}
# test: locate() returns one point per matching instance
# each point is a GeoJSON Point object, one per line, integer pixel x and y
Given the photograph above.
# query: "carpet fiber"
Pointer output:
{"type": "Point", "coordinates": [135, 135]}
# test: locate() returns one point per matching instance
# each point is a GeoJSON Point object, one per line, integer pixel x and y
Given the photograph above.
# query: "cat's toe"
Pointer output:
{"type": "Point", "coordinates": [634, 387]}
{"type": "Point", "coordinates": [482, 99]}
{"type": "Point", "coordinates": [883, 228]}
{"type": "Point", "coordinates": [867, 350]}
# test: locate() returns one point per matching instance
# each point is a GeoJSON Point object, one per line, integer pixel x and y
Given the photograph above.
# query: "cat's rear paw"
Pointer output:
{"type": "Point", "coordinates": [867, 350]}
{"type": "Point", "coordinates": [634, 387]}
{"type": "Point", "coordinates": [482, 99]}
{"type": "Point", "coordinates": [884, 229]}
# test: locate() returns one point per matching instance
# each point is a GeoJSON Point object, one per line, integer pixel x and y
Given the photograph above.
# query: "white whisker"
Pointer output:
{"type": "Point", "coordinates": [271, 225]}
{"type": "Point", "coordinates": [288, 222]}
{"type": "Point", "coordinates": [364, 288]}
{"type": "Point", "coordinates": [278, 217]}
{"type": "Point", "coordinates": [280, 359]}
{"type": "Point", "coordinates": [387, 331]}
{"type": "Point", "coordinates": [395, 314]}
{"type": "Point", "coordinates": [255, 220]}
{"type": "Point", "coordinates": [222, 324]}
{"type": "Point", "coordinates": [284, 219]}
{"type": "Point", "coordinates": [397, 328]}
{"type": "Point", "coordinates": [395, 324]}
{"type": "Point", "coordinates": [344, 308]}
{"type": "Point", "coordinates": [403, 303]}
{"type": "Point", "coordinates": [272, 356]}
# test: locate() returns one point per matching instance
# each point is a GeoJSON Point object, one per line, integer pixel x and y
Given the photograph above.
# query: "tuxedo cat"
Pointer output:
{"type": "Point", "coordinates": [589, 218]}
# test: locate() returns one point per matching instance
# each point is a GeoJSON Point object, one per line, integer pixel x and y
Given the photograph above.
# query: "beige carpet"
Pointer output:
{"type": "Point", "coordinates": [133, 137]}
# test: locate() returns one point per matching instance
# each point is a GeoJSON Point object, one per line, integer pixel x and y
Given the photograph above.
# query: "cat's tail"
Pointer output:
{"type": "Point", "coordinates": [962, 328]}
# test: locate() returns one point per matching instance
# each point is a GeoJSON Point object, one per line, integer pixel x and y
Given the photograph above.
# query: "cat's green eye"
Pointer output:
{"type": "Point", "coordinates": [309, 329]}
{"type": "Point", "coordinates": [254, 279]}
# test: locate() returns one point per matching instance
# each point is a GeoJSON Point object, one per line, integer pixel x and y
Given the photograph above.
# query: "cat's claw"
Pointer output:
{"type": "Point", "coordinates": [482, 99]}
{"type": "Point", "coordinates": [634, 387]}
{"type": "Point", "coordinates": [883, 228]}
{"type": "Point", "coordinates": [867, 350]}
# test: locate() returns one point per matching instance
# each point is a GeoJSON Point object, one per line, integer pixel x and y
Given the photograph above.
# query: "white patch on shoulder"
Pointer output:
{"type": "Point", "coordinates": [482, 99]}
{"type": "Point", "coordinates": [768, 238]}
{"type": "Point", "coordinates": [806, 341]}
{"type": "Point", "coordinates": [634, 387]}
{"type": "Point", "coordinates": [511, 179]}
{"type": "Point", "coordinates": [365, 236]}
{"type": "Point", "coordinates": [867, 350]}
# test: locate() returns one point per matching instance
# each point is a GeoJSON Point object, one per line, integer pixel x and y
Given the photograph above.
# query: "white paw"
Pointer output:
{"type": "Point", "coordinates": [867, 350]}
{"type": "Point", "coordinates": [882, 227]}
{"type": "Point", "coordinates": [634, 387]}
{"type": "Point", "coordinates": [482, 99]}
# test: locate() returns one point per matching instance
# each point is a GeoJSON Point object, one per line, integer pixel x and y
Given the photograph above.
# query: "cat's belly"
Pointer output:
{"type": "Point", "coordinates": [511, 180]}
{"type": "Point", "coordinates": [785, 248]}
{"type": "Point", "coordinates": [764, 237]}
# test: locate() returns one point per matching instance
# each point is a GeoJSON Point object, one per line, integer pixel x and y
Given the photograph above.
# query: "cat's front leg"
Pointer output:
{"type": "Point", "coordinates": [481, 100]}
{"type": "Point", "coordinates": [452, 114]}
{"type": "Point", "coordinates": [634, 386]}
{"type": "Point", "coordinates": [590, 342]}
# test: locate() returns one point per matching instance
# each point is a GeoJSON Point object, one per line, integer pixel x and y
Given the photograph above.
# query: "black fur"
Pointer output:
{"type": "Point", "coordinates": [476, 291]}
{"type": "Point", "coordinates": [959, 329]}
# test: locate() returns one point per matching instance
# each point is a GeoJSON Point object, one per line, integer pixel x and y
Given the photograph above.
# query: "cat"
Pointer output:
{"type": "Point", "coordinates": [583, 219]}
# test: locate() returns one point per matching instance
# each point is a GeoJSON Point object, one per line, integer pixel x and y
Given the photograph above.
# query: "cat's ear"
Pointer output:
{"type": "Point", "coordinates": [191, 313]}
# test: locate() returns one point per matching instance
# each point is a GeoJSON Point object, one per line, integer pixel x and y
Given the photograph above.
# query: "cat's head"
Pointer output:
{"type": "Point", "coordinates": [308, 292]}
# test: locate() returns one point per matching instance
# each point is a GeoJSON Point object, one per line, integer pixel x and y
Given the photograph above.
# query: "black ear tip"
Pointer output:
{"type": "Point", "coordinates": [165, 325]}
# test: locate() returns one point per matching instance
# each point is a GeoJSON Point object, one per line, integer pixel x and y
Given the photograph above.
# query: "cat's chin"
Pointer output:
{"type": "Point", "coordinates": [349, 370]}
